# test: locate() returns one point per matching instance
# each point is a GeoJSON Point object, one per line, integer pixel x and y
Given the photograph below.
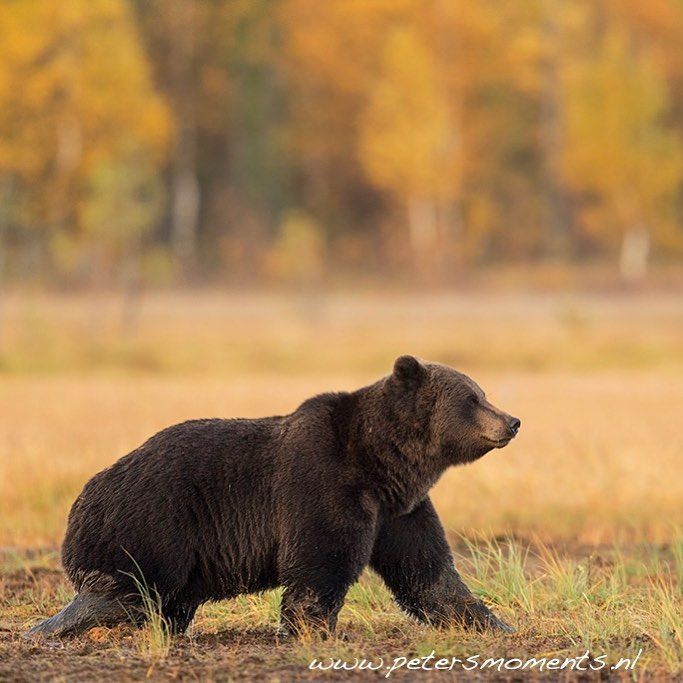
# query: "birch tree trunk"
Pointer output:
{"type": "Point", "coordinates": [634, 253]}
{"type": "Point", "coordinates": [552, 133]}
{"type": "Point", "coordinates": [423, 228]}
{"type": "Point", "coordinates": [184, 182]}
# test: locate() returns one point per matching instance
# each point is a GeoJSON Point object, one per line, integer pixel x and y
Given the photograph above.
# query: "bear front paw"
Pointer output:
{"type": "Point", "coordinates": [497, 624]}
{"type": "Point", "coordinates": [478, 616]}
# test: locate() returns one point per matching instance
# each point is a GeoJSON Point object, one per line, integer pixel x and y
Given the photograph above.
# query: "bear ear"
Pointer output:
{"type": "Point", "coordinates": [409, 370]}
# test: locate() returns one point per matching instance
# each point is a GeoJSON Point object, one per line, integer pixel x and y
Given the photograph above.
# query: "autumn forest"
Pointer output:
{"type": "Point", "coordinates": [158, 140]}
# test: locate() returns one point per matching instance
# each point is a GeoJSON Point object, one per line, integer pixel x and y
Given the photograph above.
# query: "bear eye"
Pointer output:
{"type": "Point", "coordinates": [473, 399]}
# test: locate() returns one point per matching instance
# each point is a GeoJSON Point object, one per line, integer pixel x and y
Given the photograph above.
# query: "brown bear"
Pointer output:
{"type": "Point", "coordinates": [210, 509]}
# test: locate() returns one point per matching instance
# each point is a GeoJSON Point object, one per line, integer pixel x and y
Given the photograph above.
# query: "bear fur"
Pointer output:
{"type": "Point", "coordinates": [211, 509]}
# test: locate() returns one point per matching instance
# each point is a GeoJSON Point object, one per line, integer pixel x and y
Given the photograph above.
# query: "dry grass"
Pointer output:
{"type": "Point", "coordinates": [590, 493]}
{"type": "Point", "coordinates": [563, 603]}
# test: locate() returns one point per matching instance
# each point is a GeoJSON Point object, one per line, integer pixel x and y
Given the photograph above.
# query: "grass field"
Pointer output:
{"type": "Point", "coordinates": [574, 532]}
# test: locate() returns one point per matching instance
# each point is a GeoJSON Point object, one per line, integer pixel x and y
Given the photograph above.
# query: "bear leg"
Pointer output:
{"type": "Point", "coordinates": [84, 612]}
{"type": "Point", "coordinates": [178, 616]}
{"type": "Point", "coordinates": [303, 611]}
{"type": "Point", "coordinates": [318, 565]}
{"type": "Point", "coordinates": [412, 556]}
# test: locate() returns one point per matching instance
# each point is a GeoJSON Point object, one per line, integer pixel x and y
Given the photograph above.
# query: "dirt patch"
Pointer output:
{"type": "Point", "coordinates": [22, 580]}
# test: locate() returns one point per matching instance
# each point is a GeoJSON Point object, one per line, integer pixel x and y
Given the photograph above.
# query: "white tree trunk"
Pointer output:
{"type": "Point", "coordinates": [423, 226]}
{"type": "Point", "coordinates": [635, 251]}
{"type": "Point", "coordinates": [184, 208]}
{"type": "Point", "coordinates": [184, 181]}
{"type": "Point", "coordinates": [552, 132]}
{"type": "Point", "coordinates": [451, 229]}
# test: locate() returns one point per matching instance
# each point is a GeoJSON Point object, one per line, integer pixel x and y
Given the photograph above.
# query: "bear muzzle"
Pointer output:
{"type": "Point", "coordinates": [507, 429]}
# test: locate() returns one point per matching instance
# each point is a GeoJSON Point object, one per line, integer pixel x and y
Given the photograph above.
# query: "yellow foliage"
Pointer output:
{"type": "Point", "coordinates": [298, 253]}
{"type": "Point", "coordinates": [75, 93]}
{"type": "Point", "coordinates": [408, 139]}
{"type": "Point", "coordinates": [490, 128]}
{"type": "Point", "coordinates": [619, 147]}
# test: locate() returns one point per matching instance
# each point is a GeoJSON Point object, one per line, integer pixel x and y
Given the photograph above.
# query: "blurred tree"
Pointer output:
{"type": "Point", "coordinates": [330, 55]}
{"type": "Point", "coordinates": [257, 164]}
{"type": "Point", "coordinates": [123, 201]}
{"type": "Point", "coordinates": [552, 124]}
{"type": "Point", "coordinates": [408, 140]}
{"type": "Point", "coordinates": [621, 155]}
{"type": "Point", "coordinates": [217, 63]}
{"type": "Point", "coordinates": [297, 254]}
{"type": "Point", "coordinates": [171, 28]}
{"type": "Point", "coordinates": [75, 96]}
{"type": "Point", "coordinates": [180, 16]}
{"type": "Point", "coordinates": [439, 132]}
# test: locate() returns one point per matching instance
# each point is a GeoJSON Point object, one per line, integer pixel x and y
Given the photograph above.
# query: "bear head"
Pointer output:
{"type": "Point", "coordinates": [449, 409]}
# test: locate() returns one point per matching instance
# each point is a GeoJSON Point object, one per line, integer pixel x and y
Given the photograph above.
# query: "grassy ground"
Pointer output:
{"type": "Point", "coordinates": [573, 532]}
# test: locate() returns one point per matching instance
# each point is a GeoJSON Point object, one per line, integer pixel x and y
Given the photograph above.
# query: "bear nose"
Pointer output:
{"type": "Point", "coordinates": [514, 424]}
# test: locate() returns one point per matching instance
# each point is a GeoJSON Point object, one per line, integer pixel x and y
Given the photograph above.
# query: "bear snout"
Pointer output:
{"type": "Point", "coordinates": [501, 430]}
{"type": "Point", "coordinates": [514, 423]}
